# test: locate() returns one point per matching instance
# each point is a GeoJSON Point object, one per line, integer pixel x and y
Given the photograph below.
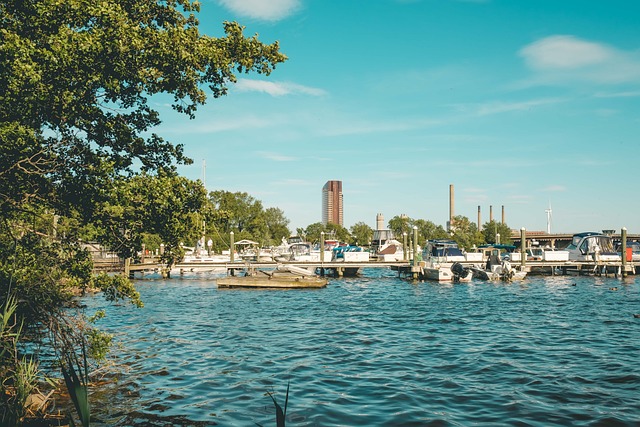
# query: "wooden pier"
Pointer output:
{"type": "Point", "coordinates": [403, 268]}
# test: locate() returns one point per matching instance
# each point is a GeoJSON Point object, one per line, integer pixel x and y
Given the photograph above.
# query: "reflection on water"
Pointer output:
{"type": "Point", "coordinates": [377, 351]}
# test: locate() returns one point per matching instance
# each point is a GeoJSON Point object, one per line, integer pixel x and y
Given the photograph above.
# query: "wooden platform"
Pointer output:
{"type": "Point", "coordinates": [272, 280]}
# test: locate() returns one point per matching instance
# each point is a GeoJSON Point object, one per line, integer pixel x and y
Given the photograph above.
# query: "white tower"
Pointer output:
{"type": "Point", "coordinates": [548, 211]}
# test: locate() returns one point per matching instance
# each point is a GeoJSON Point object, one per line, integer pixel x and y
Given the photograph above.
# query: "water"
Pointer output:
{"type": "Point", "coordinates": [378, 351]}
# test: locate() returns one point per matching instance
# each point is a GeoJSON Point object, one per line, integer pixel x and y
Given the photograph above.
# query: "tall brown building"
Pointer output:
{"type": "Point", "coordinates": [332, 203]}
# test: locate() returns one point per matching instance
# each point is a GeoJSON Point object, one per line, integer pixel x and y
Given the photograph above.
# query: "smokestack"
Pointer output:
{"type": "Point", "coordinates": [503, 215]}
{"type": "Point", "coordinates": [490, 213]}
{"type": "Point", "coordinates": [479, 226]}
{"type": "Point", "coordinates": [380, 222]}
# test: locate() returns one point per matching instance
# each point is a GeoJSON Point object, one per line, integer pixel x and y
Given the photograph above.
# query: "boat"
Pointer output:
{"type": "Point", "coordinates": [349, 254]}
{"type": "Point", "coordinates": [442, 262]}
{"type": "Point", "coordinates": [498, 265]}
{"type": "Point", "coordinates": [282, 277]}
{"type": "Point", "coordinates": [633, 251]}
{"type": "Point", "coordinates": [390, 250]}
{"type": "Point", "coordinates": [592, 246]}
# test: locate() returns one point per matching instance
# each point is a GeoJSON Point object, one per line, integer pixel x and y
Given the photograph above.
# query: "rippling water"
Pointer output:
{"type": "Point", "coordinates": [378, 351]}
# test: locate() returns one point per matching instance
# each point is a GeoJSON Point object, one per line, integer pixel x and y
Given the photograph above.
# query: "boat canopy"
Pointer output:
{"type": "Point", "coordinates": [508, 248]}
{"type": "Point", "coordinates": [246, 242]}
{"type": "Point", "coordinates": [441, 248]}
{"type": "Point", "coordinates": [587, 243]}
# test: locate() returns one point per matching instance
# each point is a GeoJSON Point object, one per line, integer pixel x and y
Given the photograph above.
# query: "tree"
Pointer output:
{"type": "Point", "coordinates": [312, 232]}
{"type": "Point", "coordinates": [244, 215]}
{"type": "Point", "coordinates": [428, 230]}
{"type": "Point", "coordinates": [491, 229]}
{"type": "Point", "coordinates": [466, 233]}
{"type": "Point", "coordinates": [400, 224]}
{"type": "Point", "coordinates": [75, 87]}
{"type": "Point", "coordinates": [76, 80]}
{"type": "Point", "coordinates": [361, 234]}
{"type": "Point", "coordinates": [277, 225]}
{"type": "Point", "coordinates": [166, 205]}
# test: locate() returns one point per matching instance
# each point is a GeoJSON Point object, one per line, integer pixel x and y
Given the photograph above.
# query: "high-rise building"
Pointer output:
{"type": "Point", "coordinates": [332, 203]}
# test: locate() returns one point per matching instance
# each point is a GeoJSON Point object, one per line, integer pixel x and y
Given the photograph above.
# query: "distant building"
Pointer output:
{"type": "Point", "coordinates": [332, 203]}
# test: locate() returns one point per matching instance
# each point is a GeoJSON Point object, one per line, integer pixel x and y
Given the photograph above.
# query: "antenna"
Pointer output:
{"type": "Point", "coordinates": [204, 174]}
{"type": "Point", "coordinates": [548, 211]}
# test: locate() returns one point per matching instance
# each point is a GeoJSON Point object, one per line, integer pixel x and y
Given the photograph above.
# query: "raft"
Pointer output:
{"type": "Point", "coordinates": [283, 277]}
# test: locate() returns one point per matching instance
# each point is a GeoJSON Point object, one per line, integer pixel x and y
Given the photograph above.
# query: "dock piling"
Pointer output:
{"type": "Point", "coordinates": [623, 250]}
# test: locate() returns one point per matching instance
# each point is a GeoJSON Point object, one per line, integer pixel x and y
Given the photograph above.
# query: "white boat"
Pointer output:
{"type": "Point", "coordinates": [307, 252]}
{"type": "Point", "coordinates": [442, 262]}
{"type": "Point", "coordinates": [390, 250]}
{"type": "Point", "coordinates": [633, 251]}
{"type": "Point", "coordinates": [503, 271]}
{"type": "Point", "coordinates": [592, 246]}
{"type": "Point", "coordinates": [498, 265]}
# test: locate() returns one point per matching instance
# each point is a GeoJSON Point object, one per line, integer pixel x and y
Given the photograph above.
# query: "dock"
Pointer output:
{"type": "Point", "coordinates": [403, 268]}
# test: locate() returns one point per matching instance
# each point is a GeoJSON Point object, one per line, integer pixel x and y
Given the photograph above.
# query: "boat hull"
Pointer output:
{"type": "Point", "coordinates": [443, 274]}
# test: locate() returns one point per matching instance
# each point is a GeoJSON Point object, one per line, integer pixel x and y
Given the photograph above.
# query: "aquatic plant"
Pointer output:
{"type": "Point", "coordinates": [280, 413]}
{"type": "Point", "coordinates": [19, 375]}
{"type": "Point", "coordinates": [77, 386]}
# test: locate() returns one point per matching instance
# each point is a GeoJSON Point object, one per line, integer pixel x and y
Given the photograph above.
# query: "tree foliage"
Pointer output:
{"type": "Point", "coordinates": [361, 234]}
{"type": "Point", "coordinates": [466, 233]}
{"type": "Point", "coordinates": [77, 80]}
{"type": "Point", "coordinates": [167, 206]}
{"type": "Point", "coordinates": [75, 86]}
{"type": "Point", "coordinates": [491, 229]}
{"type": "Point", "coordinates": [246, 217]}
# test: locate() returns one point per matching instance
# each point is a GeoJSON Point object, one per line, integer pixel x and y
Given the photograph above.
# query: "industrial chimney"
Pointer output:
{"type": "Point", "coordinates": [380, 222]}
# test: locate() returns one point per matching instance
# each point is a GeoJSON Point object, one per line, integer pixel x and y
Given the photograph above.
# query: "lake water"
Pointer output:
{"type": "Point", "coordinates": [377, 351]}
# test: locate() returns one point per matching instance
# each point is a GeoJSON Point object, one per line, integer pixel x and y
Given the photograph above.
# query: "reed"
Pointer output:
{"type": "Point", "coordinates": [77, 386]}
{"type": "Point", "coordinates": [19, 374]}
{"type": "Point", "coordinates": [280, 413]}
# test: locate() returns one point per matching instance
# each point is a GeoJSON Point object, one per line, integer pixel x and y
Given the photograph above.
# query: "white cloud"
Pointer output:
{"type": "Point", "coordinates": [276, 88]}
{"type": "Point", "coordinates": [565, 58]}
{"type": "Point", "coordinates": [628, 94]}
{"type": "Point", "coordinates": [557, 52]}
{"type": "Point", "coordinates": [505, 107]}
{"type": "Point", "coordinates": [555, 188]}
{"type": "Point", "coordinates": [268, 10]}
{"type": "Point", "coordinates": [276, 157]}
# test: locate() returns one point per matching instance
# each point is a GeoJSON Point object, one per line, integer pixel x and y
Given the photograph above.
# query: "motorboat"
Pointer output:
{"type": "Point", "coordinates": [442, 262]}
{"type": "Point", "coordinates": [498, 265]}
{"type": "Point", "coordinates": [633, 251]}
{"type": "Point", "coordinates": [306, 252]}
{"type": "Point", "coordinates": [390, 250]}
{"type": "Point", "coordinates": [592, 246]}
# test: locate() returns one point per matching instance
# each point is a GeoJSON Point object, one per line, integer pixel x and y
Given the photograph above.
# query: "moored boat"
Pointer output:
{"type": "Point", "coordinates": [498, 269]}
{"type": "Point", "coordinates": [442, 262]}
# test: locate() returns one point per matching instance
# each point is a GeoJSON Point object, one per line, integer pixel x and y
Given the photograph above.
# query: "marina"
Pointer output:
{"type": "Point", "coordinates": [402, 268]}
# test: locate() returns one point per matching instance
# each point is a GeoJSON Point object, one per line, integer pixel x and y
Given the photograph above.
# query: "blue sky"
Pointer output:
{"type": "Point", "coordinates": [524, 104]}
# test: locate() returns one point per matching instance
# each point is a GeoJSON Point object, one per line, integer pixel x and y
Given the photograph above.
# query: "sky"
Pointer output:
{"type": "Point", "coordinates": [530, 105]}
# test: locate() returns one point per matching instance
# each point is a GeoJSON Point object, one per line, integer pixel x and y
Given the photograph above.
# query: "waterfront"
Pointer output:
{"type": "Point", "coordinates": [378, 350]}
